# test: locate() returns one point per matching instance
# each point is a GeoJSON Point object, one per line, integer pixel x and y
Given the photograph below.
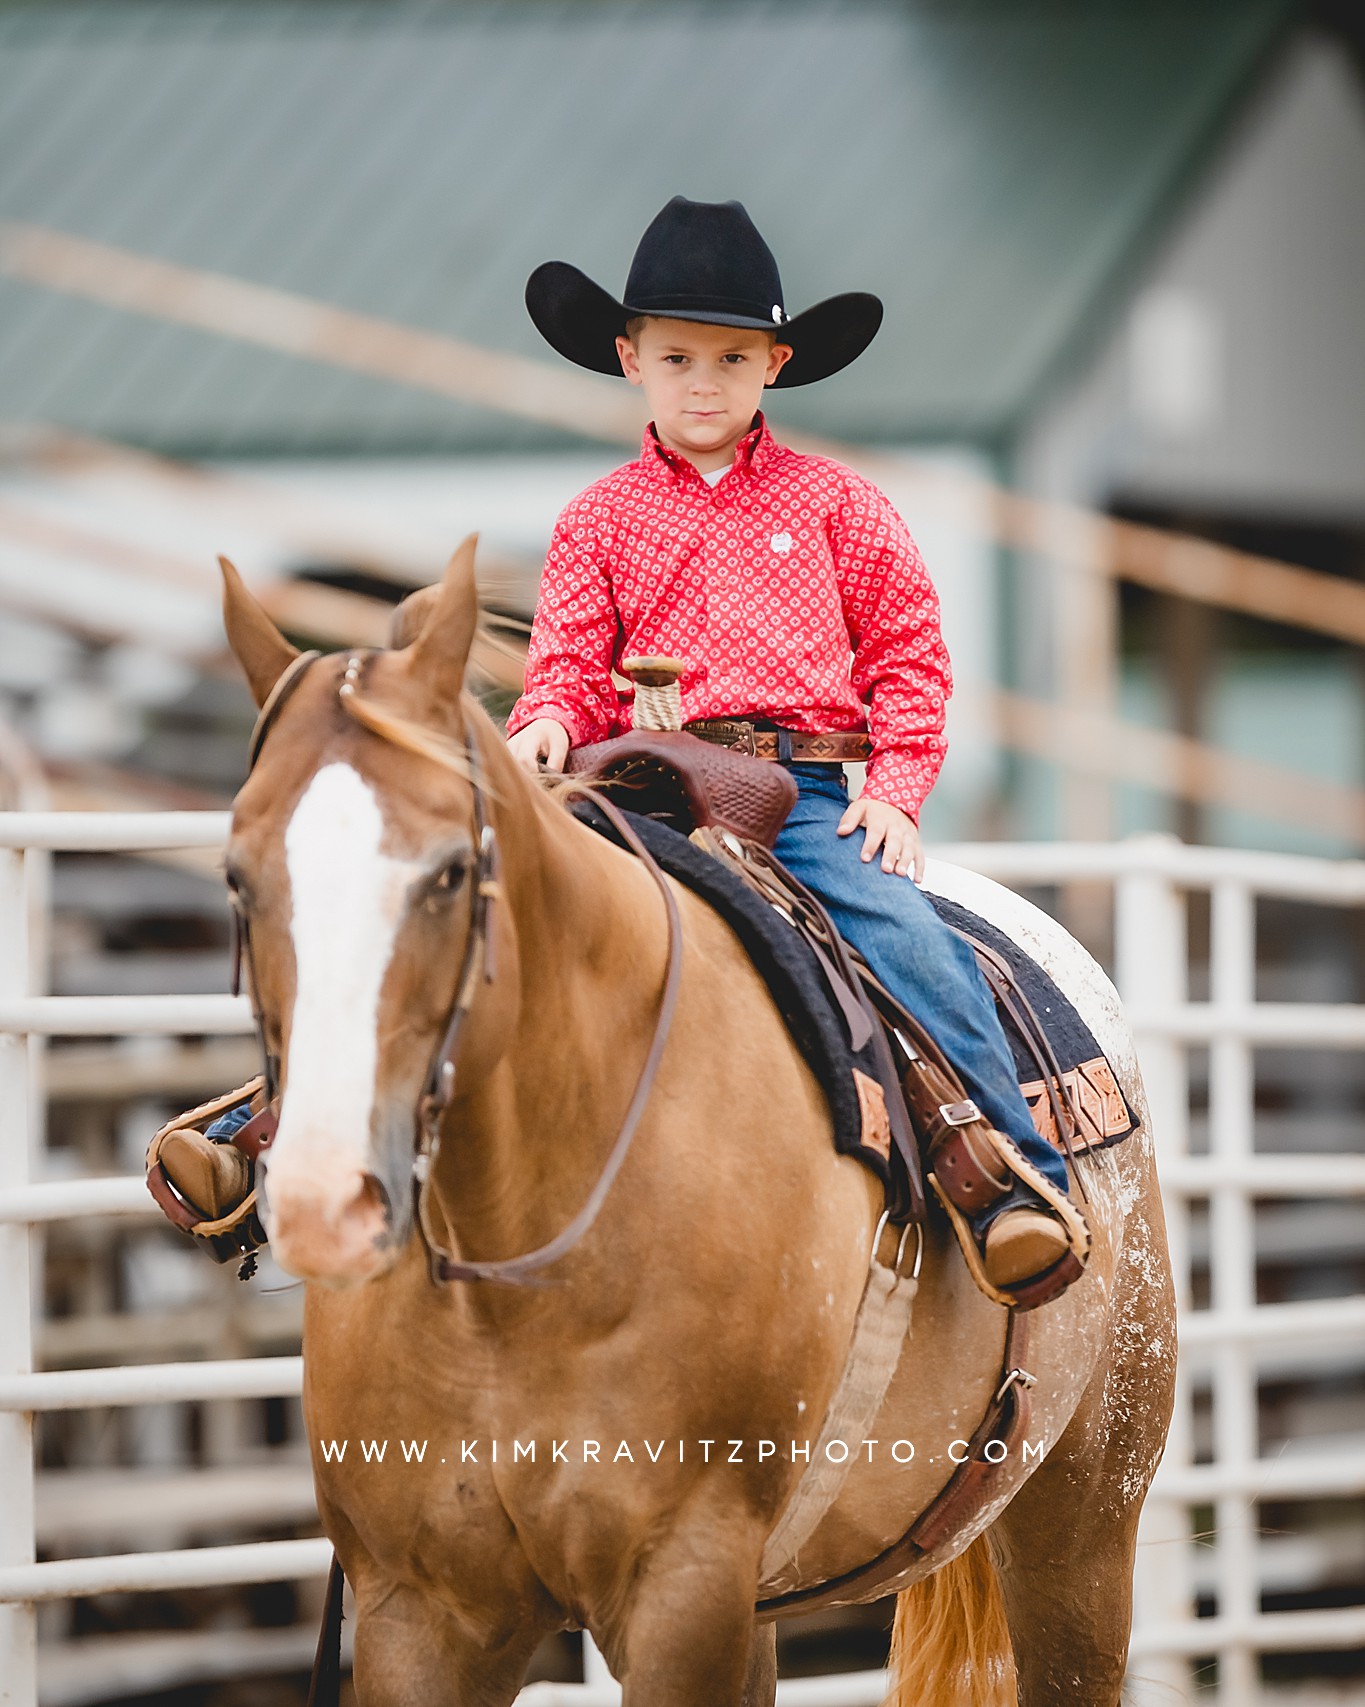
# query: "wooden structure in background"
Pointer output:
{"type": "Point", "coordinates": [1089, 553]}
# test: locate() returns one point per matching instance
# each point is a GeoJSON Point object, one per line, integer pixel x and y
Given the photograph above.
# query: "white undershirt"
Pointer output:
{"type": "Point", "coordinates": [715, 477]}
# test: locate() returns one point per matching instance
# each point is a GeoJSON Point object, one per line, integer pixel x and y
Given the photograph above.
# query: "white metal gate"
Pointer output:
{"type": "Point", "coordinates": [1224, 1345]}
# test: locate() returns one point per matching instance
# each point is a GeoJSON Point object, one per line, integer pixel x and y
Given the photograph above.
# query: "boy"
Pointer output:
{"type": "Point", "coordinates": [760, 568]}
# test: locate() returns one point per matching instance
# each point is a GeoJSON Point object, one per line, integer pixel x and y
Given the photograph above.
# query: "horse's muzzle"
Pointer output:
{"type": "Point", "coordinates": [335, 1228]}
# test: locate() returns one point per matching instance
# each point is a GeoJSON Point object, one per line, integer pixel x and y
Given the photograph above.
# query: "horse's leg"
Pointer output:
{"type": "Point", "coordinates": [412, 1651]}
{"type": "Point", "coordinates": [760, 1686]}
{"type": "Point", "coordinates": [686, 1636]}
{"type": "Point", "coordinates": [1064, 1545]}
{"type": "Point", "coordinates": [1064, 1556]}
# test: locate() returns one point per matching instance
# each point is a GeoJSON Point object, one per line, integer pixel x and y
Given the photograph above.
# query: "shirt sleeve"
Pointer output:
{"type": "Point", "coordinates": [568, 662]}
{"type": "Point", "coordinates": [900, 667]}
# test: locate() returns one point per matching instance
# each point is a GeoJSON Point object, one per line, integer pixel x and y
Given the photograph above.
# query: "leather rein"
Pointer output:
{"type": "Point", "coordinates": [477, 967]}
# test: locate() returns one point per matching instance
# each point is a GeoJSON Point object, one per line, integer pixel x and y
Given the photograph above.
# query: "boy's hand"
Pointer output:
{"type": "Point", "coordinates": [545, 738]}
{"type": "Point", "coordinates": [887, 828]}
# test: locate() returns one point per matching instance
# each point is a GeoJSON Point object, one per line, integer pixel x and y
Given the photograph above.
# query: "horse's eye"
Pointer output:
{"type": "Point", "coordinates": [449, 880]}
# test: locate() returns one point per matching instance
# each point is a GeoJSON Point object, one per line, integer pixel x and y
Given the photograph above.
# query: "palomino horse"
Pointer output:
{"type": "Point", "coordinates": [495, 1462]}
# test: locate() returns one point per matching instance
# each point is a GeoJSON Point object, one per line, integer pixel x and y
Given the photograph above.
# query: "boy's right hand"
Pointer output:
{"type": "Point", "coordinates": [544, 738]}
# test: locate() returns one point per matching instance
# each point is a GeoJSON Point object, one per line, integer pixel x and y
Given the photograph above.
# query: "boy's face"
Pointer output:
{"type": "Point", "coordinates": [702, 383]}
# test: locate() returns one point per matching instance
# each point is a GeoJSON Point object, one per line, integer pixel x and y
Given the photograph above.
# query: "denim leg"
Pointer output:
{"type": "Point", "coordinates": [925, 965]}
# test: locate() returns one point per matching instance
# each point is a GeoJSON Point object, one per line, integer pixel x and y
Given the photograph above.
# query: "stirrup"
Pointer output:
{"type": "Point", "coordinates": [235, 1236]}
{"type": "Point", "coordinates": [972, 1166]}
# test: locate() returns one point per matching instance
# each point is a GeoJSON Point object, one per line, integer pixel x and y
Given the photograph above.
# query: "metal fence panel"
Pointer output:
{"type": "Point", "coordinates": [1228, 1343]}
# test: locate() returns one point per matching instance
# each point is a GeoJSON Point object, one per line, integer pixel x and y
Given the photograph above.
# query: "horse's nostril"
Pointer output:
{"type": "Point", "coordinates": [346, 1206]}
{"type": "Point", "coordinates": [372, 1196]}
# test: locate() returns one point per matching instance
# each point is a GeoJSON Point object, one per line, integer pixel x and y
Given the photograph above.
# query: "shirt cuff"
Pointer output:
{"type": "Point", "coordinates": [897, 780]}
{"type": "Point", "coordinates": [521, 714]}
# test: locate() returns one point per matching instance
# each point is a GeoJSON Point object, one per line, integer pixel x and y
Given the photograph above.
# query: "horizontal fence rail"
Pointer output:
{"type": "Point", "coordinates": [1224, 1345]}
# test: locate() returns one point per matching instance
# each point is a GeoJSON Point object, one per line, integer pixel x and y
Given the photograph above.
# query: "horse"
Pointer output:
{"type": "Point", "coordinates": [604, 1442]}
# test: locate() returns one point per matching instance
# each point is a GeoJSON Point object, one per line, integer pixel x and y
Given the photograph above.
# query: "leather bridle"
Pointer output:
{"type": "Point", "coordinates": [478, 966]}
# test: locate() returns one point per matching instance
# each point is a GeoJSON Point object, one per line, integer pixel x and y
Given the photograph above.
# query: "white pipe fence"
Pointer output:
{"type": "Point", "coordinates": [1229, 1343]}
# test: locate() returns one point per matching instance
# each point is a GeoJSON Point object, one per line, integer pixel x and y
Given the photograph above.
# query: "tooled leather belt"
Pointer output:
{"type": "Point", "coordinates": [788, 745]}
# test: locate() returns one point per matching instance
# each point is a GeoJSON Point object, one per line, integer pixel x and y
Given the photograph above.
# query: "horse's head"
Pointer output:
{"type": "Point", "coordinates": [352, 861]}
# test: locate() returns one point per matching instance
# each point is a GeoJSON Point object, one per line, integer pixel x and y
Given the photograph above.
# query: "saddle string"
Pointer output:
{"type": "Point", "coordinates": [1065, 1113]}
{"type": "Point", "coordinates": [847, 974]}
{"type": "Point", "coordinates": [1012, 999]}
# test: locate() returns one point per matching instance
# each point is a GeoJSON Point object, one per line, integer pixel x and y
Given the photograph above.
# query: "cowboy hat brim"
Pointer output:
{"type": "Point", "coordinates": [582, 321]}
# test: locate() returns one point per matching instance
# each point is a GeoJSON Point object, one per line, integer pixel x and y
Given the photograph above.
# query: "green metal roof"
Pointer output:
{"type": "Point", "coordinates": [990, 167]}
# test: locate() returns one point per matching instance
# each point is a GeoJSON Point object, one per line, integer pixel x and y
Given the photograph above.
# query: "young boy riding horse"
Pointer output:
{"type": "Point", "coordinates": [763, 570]}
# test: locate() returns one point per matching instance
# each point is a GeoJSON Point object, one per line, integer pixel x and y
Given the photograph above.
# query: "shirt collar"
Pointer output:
{"type": "Point", "coordinates": [754, 453]}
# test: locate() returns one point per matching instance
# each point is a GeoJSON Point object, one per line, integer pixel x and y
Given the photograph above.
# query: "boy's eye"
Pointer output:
{"type": "Point", "coordinates": [675, 358]}
{"type": "Point", "coordinates": [735, 356]}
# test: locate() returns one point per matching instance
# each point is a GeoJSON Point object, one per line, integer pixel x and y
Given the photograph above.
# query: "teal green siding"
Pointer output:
{"type": "Point", "coordinates": [991, 169]}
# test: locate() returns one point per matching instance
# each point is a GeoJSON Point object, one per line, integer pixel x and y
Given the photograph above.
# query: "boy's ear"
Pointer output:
{"type": "Point", "coordinates": [630, 360]}
{"type": "Point", "coordinates": [259, 647]}
{"type": "Point", "coordinates": [778, 357]}
{"type": "Point", "coordinates": [438, 652]}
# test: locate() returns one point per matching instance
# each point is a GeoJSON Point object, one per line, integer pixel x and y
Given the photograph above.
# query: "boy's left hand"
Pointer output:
{"type": "Point", "coordinates": [887, 828]}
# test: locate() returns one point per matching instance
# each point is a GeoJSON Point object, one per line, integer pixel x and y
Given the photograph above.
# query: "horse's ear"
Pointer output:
{"type": "Point", "coordinates": [409, 617]}
{"type": "Point", "coordinates": [260, 648]}
{"type": "Point", "coordinates": [439, 652]}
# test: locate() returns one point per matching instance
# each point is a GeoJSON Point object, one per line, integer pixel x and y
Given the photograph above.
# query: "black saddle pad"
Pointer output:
{"type": "Point", "coordinates": [798, 987]}
{"type": "Point", "coordinates": [1106, 1113]}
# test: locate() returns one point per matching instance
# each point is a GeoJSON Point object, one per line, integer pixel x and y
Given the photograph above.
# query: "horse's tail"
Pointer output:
{"type": "Point", "coordinates": [951, 1644]}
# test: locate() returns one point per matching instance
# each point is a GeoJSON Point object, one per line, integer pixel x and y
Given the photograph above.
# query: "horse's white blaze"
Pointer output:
{"type": "Point", "coordinates": [347, 901]}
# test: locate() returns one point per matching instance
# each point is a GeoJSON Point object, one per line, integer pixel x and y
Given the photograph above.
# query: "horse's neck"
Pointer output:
{"type": "Point", "coordinates": [558, 1038]}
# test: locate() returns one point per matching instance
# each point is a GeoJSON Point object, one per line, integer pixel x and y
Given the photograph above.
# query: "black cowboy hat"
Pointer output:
{"type": "Point", "coordinates": [699, 261]}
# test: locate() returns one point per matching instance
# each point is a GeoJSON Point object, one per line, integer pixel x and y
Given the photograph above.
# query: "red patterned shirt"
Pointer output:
{"type": "Point", "coordinates": [764, 584]}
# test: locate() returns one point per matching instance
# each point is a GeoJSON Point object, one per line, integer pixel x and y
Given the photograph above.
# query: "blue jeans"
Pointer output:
{"type": "Point", "coordinates": [925, 965]}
